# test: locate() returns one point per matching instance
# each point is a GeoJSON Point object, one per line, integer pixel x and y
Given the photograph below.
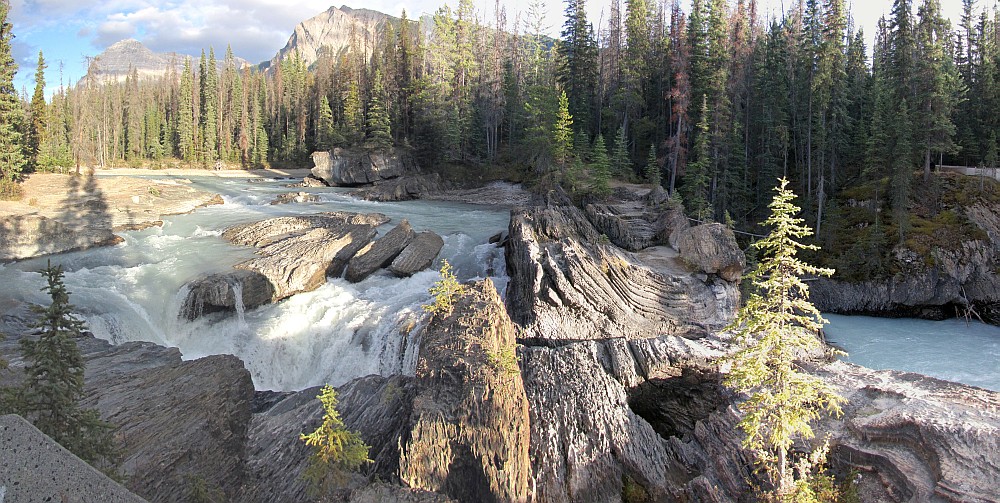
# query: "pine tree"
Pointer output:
{"type": "Point", "coordinates": [337, 451]}
{"type": "Point", "coordinates": [53, 387]}
{"type": "Point", "coordinates": [209, 86]}
{"type": "Point", "coordinates": [621, 164]}
{"type": "Point", "coordinates": [776, 324]}
{"type": "Point", "coordinates": [185, 114]}
{"type": "Point", "coordinates": [325, 130]}
{"type": "Point", "coordinates": [577, 71]}
{"type": "Point", "coordinates": [600, 169]}
{"type": "Point", "coordinates": [697, 179]}
{"type": "Point", "coordinates": [652, 167]}
{"type": "Point", "coordinates": [379, 134]}
{"type": "Point", "coordinates": [37, 127]}
{"type": "Point", "coordinates": [12, 160]}
{"type": "Point", "coordinates": [562, 133]}
{"type": "Point", "coordinates": [938, 84]}
{"type": "Point", "coordinates": [351, 129]}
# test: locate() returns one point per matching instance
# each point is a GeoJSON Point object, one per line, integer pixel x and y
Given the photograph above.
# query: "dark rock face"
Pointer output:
{"type": "Point", "coordinates": [418, 255]}
{"type": "Point", "coordinates": [33, 467]}
{"type": "Point", "coordinates": [355, 167]}
{"type": "Point", "coordinates": [296, 255]}
{"type": "Point", "coordinates": [403, 188]}
{"type": "Point", "coordinates": [959, 278]}
{"type": "Point", "coordinates": [222, 292]}
{"type": "Point", "coordinates": [379, 253]}
{"type": "Point", "coordinates": [469, 428]}
{"type": "Point", "coordinates": [180, 423]}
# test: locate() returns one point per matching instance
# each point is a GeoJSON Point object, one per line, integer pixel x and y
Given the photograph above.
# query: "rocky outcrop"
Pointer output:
{"type": "Point", "coordinates": [379, 253]}
{"type": "Point", "coordinates": [469, 429]}
{"type": "Point", "coordinates": [497, 193]}
{"type": "Point", "coordinates": [635, 221]}
{"type": "Point", "coordinates": [355, 167]}
{"type": "Point", "coordinates": [296, 255]}
{"type": "Point", "coordinates": [403, 188]}
{"type": "Point", "coordinates": [181, 424]}
{"type": "Point", "coordinates": [942, 285]}
{"type": "Point", "coordinates": [710, 248]}
{"type": "Point", "coordinates": [33, 467]}
{"type": "Point", "coordinates": [418, 255]}
{"type": "Point", "coordinates": [566, 284]}
{"type": "Point", "coordinates": [295, 197]}
{"type": "Point", "coordinates": [25, 236]}
{"type": "Point", "coordinates": [913, 437]}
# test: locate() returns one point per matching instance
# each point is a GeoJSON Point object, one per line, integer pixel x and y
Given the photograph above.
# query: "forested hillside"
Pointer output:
{"type": "Point", "coordinates": [716, 103]}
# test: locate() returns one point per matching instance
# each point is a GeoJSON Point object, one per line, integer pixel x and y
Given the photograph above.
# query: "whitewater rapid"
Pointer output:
{"type": "Point", "coordinates": [134, 291]}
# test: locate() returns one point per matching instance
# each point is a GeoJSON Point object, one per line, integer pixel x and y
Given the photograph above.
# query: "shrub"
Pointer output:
{"type": "Point", "coordinates": [445, 291]}
{"type": "Point", "coordinates": [337, 451]}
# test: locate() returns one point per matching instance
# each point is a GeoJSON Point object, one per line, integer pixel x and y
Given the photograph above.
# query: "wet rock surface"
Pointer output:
{"type": "Point", "coordinates": [379, 253]}
{"type": "Point", "coordinates": [403, 188]}
{"type": "Point", "coordinates": [418, 255]}
{"type": "Point", "coordinates": [295, 255]}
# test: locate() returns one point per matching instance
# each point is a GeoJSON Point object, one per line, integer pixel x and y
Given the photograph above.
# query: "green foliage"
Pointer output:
{"type": "Point", "coordinates": [504, 360]}
{"type": "Point", "coordinates": [600, 169]}
{"type": "Point", "coordinates": [562, 133]}
{"type": "Point", "coordinates": [777, 324]}
{"type": "Point", "coordinates": [202, 492]}
{"type": "Point", "coordinates": [446, 291]}
{"type": "Point", "coordinates": [621, 164]}
{"type": "Point", "coordinates": [53, 385]}
{"type": "Point", "coordinates": [697, 179]}
{"type": "Point", "coordinates": [379, 134]}
{"type": "Point", "coordinates": [633, 492]}
{"type": "Point", "coordinates": [37, 126]}
{"type": "Point", "coordinates": [652, 170]}
{"type": "Point", "coordinates": [12, 160]}
{"type": "Point", "coordinates": [337, 451]}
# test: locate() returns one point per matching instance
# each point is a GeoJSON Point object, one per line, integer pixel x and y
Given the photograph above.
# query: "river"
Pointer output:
{"type": "Point", "coordinates": [953, 349]}
{"type": "Point", "coordinates": [133, 291]}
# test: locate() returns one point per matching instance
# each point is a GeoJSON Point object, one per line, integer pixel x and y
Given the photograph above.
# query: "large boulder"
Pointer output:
{"type": "Point", "coordinates": [226, 292]}
{"type": "Point", "coordinates": [182, 425]}
{"type": "Point", "coordinates": [418, 255]}
{"type": "Point", "coordinates": [711, 248]}
{"type": "Point", "coordinates": [355, 167]}
{"type": "Point", "coordinates": [379, 253]}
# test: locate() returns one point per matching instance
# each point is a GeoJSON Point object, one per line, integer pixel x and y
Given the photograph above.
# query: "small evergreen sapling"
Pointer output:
{"type": "Point", "coordinates": [776, 324]}
{"type": "Point", "coordinates": [445, 291]}
{"type": "Point", "coordinates": [337, 451]}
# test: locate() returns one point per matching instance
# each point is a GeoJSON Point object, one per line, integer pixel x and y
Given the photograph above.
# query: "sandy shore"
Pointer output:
{"type": "Point", "coordinates": [224, 173]}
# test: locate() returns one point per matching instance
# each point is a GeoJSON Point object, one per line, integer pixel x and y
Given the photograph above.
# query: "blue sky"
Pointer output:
{"type": "Point", "coordinates": [68, 31]}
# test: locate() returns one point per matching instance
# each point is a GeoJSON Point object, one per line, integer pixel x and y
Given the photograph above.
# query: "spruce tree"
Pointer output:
{"type": "Point", "coordinates": [12, 159]}
{"type": "Point", "coordinates": [185, 115]}
{"type": "Point", "coordinates": [562, 133]}
{"type": "Point", "coordinates": [379, 133]}
{"type": "Point", "coordinates": [600, 168]}
{"type": "Point", "coordinates": [53, 387]}
{"type": "Point", "coordinates": [652, 167]}
{"type": "Point", "coordinates": [337, 451]}
{"type": "Point", "coordinates": [621, 164]}
{"type": "Point", "coordinates": [776, 324]}
{"type": "Point", "coordinates": [697, 179]}
{"type": "Point", "coordinates": [325, 131]}
{"type": "Point", "coordinates": [36, 129]}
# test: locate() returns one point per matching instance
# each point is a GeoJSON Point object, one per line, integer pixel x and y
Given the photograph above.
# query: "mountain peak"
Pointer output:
{"type": "Point", "coordinates": [334, 30]}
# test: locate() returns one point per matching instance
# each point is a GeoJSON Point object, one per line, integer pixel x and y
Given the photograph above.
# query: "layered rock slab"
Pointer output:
{"type": "Point", "coordinates": [418, 255]}
{"type": "Point", "coordinates": [379, 253]}
{"type": "Point", "coordinates": [354, 167]}
{"type": "Point", "coordinates": [295, 255]}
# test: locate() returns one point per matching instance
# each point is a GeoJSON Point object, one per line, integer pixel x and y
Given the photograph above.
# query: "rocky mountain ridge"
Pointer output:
{"type": "Point", "coordinates": [124, 57]}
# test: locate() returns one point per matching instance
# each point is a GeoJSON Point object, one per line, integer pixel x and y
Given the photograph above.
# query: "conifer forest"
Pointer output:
{"type": "Point", "coordinates": [715, 104]}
